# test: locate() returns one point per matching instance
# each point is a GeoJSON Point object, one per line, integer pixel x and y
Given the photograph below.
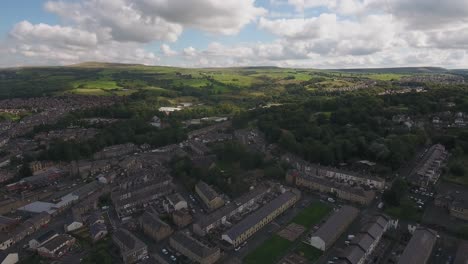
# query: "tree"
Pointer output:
{"type": "Point", "coordinates": [457, 169]}
{"type": "Point", "coordinates": [394, 195]}
{"type": "Point", "coordinates": [24, 171]}
{"type": "Point", "coordinates": [274, 172]}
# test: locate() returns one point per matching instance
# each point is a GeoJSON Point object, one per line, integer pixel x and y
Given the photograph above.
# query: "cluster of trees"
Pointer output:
{"type": "Point", "coordinates": [332, 131]}
{"type": "Point", "coordinates": [136, 131]}
{"type": "Point", "coordinates": [228, 173]}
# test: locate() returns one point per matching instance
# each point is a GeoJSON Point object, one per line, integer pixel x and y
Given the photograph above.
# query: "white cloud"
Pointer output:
{"type": "Point", "coordinates": [116, 19]}
{"type": "Point", "coordinates": [63, 36]}
{"type": "Point", "coordinates": [225, 17]}
{"type": "Point", "coordinates": [167, 51]}
{"type": "Point", "coordinates": [190, 51]}
{"type": "Point", "coordinates": [307, 33]}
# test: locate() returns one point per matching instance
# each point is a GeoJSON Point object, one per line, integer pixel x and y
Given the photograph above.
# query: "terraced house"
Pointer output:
{"type": "Point", "coordinates": [209, 196]}
{"type": "Point", "coordinates": [345, 192]}
{"type": "Point", "coordinates": [194, 249]}
{"type": "Point", "coordinates": [140, 189]}
{"type": "Point", "coordinates": [241, 231]}
{"type": "Point", "coordinates": [131, 248]}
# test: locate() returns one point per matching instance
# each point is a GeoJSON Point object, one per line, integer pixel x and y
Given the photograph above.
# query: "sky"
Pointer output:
{"type": "Point", "coordinates": [227, 33]}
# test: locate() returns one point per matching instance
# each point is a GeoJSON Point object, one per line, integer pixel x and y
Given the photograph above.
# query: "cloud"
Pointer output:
{"type": "Point", "coordinates": [62, 36]}
{"type": "Point", "coordinates": [326, 34]}
{"type": "Point", "coordinates": [428, 14]}
{"type": "Point", "coordinates": [54, 44]}
{"type": "Point", "coordinates": [226, 17]}
{"type": "Point", "coordinates": [116, 19]}
{"type": "Point", "coordinates": [149, 20]}
{"type": "Point", "coordinates": [300, 33]}
{"type": "Point", "coordinates": [167, 51]}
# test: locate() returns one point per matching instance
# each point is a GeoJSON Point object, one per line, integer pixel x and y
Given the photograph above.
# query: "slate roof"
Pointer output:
{"type": "Point", "coordinates": [207, 191]}
{"type": "Point", "coordinates": [193, 245]}
{"type": "Point", "coordinates": [422, 242]}
{"type": "Point", "coordinates": [333, 227]}
{"type": "Point", "coordinates": [260, 214]}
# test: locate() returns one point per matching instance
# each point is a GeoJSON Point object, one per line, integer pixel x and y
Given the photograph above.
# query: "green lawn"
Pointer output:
{"type": "Point", "coordinates": [269, 252]}
{"type": "Point", "coordinates": [310, 253]}
{"type": "Point", "coordinates": [312, 215]}
{"type": "Point", "coordinates": [462, 161]}
{"type": "Point", "coordinates": [406, 211]}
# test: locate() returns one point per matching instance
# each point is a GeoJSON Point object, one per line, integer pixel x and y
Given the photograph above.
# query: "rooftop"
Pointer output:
{"type": "Point", "coordinates": [7, 220]}
{"type": "Point", "coordinates": [227, 209]}
{"type": "Point", "coordinates": [207, 191]}
{"type": "Point", "coordinates": [153, 220]}
{"type": "Point", "coordinates": [260, 214]}
{"type": "Point", "coordinates": [47, 235]}
{"type": "Point", "coordinates": [333, 226]}
{"type": "Point", "coordinates": [57, 242]}
{"type": "Point", "coordinates": [422, 241]}
{"type": "Point", "coordinates": [128, 240]}
{"type": "Point", "coordinates": [193, 245]}
{"type": "Point", "coordinates": [38, 207]}
{"type": "Point", "coordinates": [175, 198]}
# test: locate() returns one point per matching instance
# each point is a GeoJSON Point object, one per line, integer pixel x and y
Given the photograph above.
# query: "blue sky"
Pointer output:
{"type": "Point", "coordinates": [202, 33]}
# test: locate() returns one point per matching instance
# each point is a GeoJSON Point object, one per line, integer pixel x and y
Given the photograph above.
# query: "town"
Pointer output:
{"type": "Point", "coordinates": [221, 194]}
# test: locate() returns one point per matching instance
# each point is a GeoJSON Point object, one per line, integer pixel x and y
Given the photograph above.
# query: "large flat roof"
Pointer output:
{"type": "Point", "coordinates": [38, 207]}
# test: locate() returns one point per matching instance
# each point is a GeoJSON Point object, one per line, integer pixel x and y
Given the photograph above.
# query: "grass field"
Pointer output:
{"type": "Point", "coordinates": [269, 252]}
{"type": "Point", "coordinates": [310, 253]}
{"type": "Point", "coordinates": [96, 92]}
{"type": "Point", "coordinates": [312, 215]}
{"type": "Point", "coordinates": [406, 211]}
{"type": "Point", "coordinates": [458, 179]}
{"type": "Point", "coordinates": [104, 85]}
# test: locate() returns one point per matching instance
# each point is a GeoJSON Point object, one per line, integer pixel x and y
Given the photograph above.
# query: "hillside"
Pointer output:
{"type": "Point", "coordinates": [96, 78]}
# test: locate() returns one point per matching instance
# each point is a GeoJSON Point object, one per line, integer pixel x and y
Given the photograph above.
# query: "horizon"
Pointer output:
{"type": "Point", "coordinates": [312, 34]}
{"type": "Point", "coordinates": [103, 63]}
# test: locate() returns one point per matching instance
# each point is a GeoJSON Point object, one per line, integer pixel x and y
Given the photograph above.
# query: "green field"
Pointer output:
{"type": "Point", "coordinates": [269, 252]}
{"type": "Point", "coordinates": [97, 92]}
{"type": "Point", "coordinates": [275, 247]}
{"type": "Point", "coordinates": [312, 215]}
{"type": "Point", "coordinates": [461, 178]}
{"type": "Point", "coordinates": [406, 211]}
{"type": "Point", "coordinates": [104, 85]}
{"type": "Point", "coordinates": [310, 253]}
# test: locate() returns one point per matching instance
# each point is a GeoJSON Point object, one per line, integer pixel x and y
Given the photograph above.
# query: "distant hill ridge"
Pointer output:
{"type": "Point", "coordinates": [398, 70]}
